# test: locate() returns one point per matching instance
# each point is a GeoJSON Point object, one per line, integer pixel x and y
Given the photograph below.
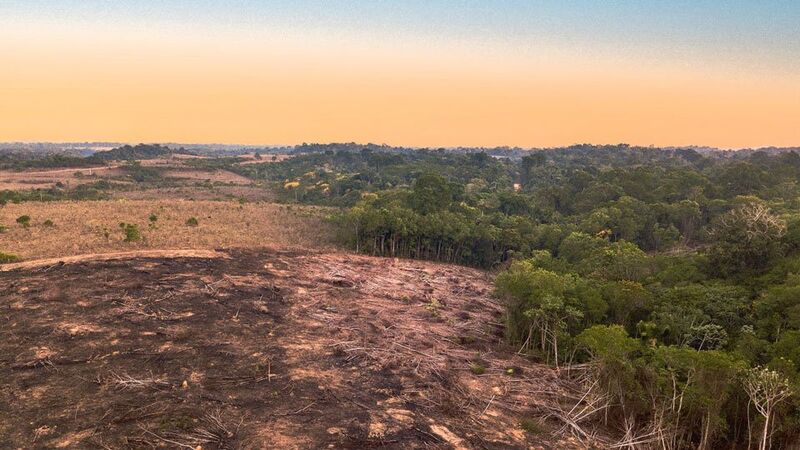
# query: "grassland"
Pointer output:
{"type": "Point", "coordinates": [82, 227]}
{"type": "Point", "coordinates": [231, 211]}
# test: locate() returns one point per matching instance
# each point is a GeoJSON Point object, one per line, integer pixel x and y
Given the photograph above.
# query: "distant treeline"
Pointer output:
{"type": "Point", "coordinates": [28, 160]}
{"type": "Point", "coordinates": [88, 191]}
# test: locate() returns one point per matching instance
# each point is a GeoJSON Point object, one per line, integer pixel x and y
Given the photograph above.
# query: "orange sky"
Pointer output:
{"type": "Point", "coordinates": [64, 84]}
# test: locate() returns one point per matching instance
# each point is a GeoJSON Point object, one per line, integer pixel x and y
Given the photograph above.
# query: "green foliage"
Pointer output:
{"type": "Point", "coordinates": [88, 191]}
{"type": "Point", "coordinates": [531, 426]}
{"type": "Point", "coordinates": [746, 240]}
{"type": "Point", "coordinates": [24, 221]}
{"type": "Point", "coordinates": [140, 173]}
{"type": "Point", "coordinates": [543, 307]}
{"type": "Point", "coordinates": [131, 232]}
{"type": "Point", "coordinates": [137, 152]}
{"type": "Point", "coordinates": [8, 258]}
{"type": "Point", "coordinates": [48, 223]}
{"type": "Point", "coordinates": [434, 306]}
{"type": "Point", "coordinates": [192, 222]}
{"type": "Point", "coordinates": [477, 368]}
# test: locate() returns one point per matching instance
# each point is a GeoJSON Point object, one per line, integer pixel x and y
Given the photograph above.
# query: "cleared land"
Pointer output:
{"type": "Point", "coordinates": [174, 168]}
{"type": "Point", "coordinates": [193, 192]}
{"type": "Point", "coordinates": [262, 349]}
{"type": "Point", "coordinates": [81, 227]}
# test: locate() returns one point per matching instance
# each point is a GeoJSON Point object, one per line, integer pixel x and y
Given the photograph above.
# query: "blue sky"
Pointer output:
{"type": "Point", "coordinates": [737, 31]}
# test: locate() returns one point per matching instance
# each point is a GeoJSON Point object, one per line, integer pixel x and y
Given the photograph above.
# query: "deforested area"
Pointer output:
{"type": "Point", "coordinates": [254, 349]}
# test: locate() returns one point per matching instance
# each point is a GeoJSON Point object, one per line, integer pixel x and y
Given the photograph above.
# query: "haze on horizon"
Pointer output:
{"type": "Point", "coordinates": [416, 73]}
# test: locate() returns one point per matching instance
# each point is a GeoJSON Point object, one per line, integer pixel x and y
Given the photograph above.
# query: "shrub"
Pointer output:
{"type": "Point", "coordinates": [131, 232]}
{"type": "Point", "coordinates": [48, 223]}
{"type": "Point", "coordinates": [192, 222]}
{"type": "Point", "coordinates": [434, 306]}
{"type": "Point", "coordinates": [3, 228]}
{"type": "Point", "coordinates": [25, 221]}
{"type": "Point", "coordinates": [153, 218]}
{"type": "Point", "coordinates": [531, 425]}
{"type": "Point", "coordinates": [8, 258]}
{"type": "Point", "coordinates": [477, 369]}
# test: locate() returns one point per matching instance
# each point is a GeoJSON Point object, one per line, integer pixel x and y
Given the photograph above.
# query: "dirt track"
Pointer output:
{"type": "Point", "coordinates": [262, 349]}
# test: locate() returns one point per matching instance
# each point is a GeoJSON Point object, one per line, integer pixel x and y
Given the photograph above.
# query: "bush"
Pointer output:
{"type": "Point", "coordinates": [531, 425]}
{"type": "Point", "coordinates": [3, 228]}
{"type": "Point", "coordinates": [131, 232]}
{"type": "Point", "coordinates": [8, 258]}
{"type": "Point", "coordinates": [25, 221]}
{"type": "Point", "coordinates": [477, 369]}
{"type": "Point", "coordinates": [192, 222]}
{"type": "Point", "coordinates": [48, 223]}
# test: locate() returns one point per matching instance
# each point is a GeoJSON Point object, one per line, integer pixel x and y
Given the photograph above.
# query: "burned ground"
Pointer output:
{"type": "Point", "coordinates": [261, 349]}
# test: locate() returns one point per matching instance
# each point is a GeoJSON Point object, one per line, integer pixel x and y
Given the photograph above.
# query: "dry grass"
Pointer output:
{"type": "Point", "coordinates": [193, 192]}
{"type": "Point", "coordinates": [33, 179]}
{"type": "Point", "coordinates": [84, 227]}
{"type": "Point", "coordinates": [215, 176]}
{"type": "Point", "coordinates": [250, 158]}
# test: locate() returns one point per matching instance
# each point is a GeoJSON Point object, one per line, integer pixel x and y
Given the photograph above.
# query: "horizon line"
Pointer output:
{"type": "Point", "coordinates": [413, 147]}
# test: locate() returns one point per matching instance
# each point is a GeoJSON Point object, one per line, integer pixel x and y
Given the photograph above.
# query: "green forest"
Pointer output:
{"type": "Point", "coordinates": [668, 281]}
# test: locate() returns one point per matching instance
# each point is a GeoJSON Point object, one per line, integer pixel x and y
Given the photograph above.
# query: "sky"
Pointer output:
{"type": "Point", "coordinates": [404, 72]}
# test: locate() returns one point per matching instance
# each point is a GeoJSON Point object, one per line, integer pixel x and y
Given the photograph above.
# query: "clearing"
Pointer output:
{"type": "Point", "coordinates": [262, 349]}
{"type": "Point", "coordinates": [81, 227]}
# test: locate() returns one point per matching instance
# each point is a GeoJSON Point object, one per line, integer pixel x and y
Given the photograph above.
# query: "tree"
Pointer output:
{"type": "Point", "coordinates": [766, 389]}
{"type": "Point", "coordinates": [689, 385]}
{"type": "Point", "coordinates": [621, 261]}
{"type": "Point", "coordinates": [611, 352]}
{"type": "Point", "coordinates": [24, 221]}
{"type": "Point", "coordinates": [686, 216]}
{"type": "Point", "coordinates": [542, 306]}
{"type": "Point", "coordinates": [777, 309]}
{"type": "Point", "coordinates": [628, 301]}
{"type": "Point", "coordinates": [746, 239]}
{"type": "Point", "coordinates": [431, 193]}
{"type": "Point", "coordinates": [131, 232]}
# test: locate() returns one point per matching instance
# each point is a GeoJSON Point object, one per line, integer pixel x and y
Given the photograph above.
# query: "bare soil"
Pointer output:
{"type": "Point", "coordinates": [260, 349]}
